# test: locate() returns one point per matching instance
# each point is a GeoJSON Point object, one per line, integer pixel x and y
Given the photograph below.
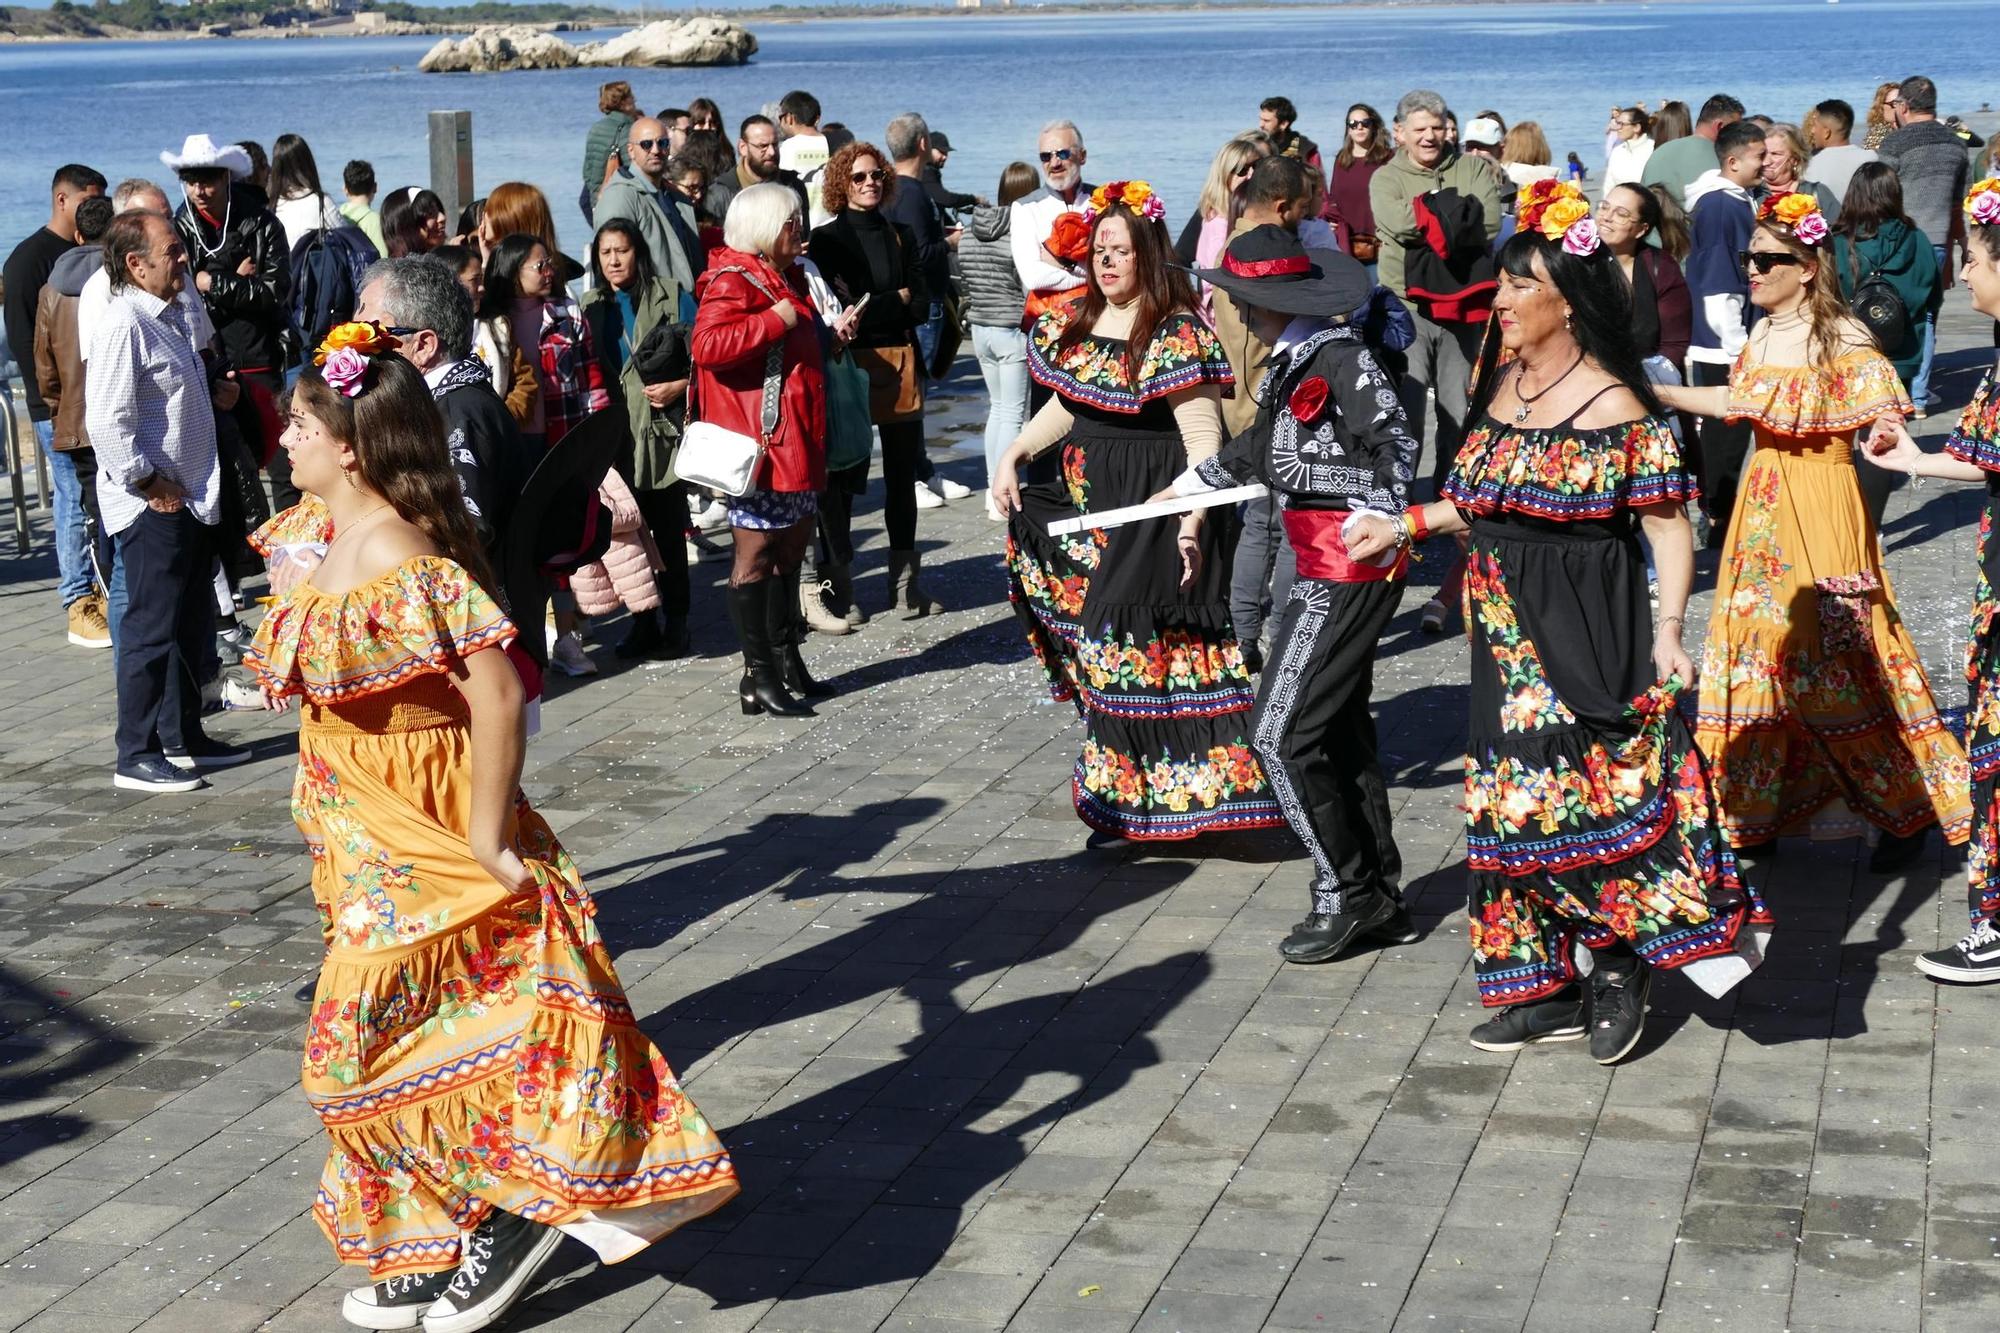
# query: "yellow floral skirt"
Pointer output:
{"type": "Point", "coordinates": [468, 1048]}
{"type": "Point", "coordinates": [1815, 714]}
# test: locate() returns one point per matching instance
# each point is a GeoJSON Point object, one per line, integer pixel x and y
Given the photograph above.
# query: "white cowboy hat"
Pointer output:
{"type": "Point", "coordinates": [201, 153]}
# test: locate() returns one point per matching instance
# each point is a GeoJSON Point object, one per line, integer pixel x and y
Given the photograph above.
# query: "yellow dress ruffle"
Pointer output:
{"type": "Point", "coordinates": [1815, 713]}
{"type": "Point", "coordinates": [469, 1048]}
{"type": "Point", "coordinates": [306, 521]}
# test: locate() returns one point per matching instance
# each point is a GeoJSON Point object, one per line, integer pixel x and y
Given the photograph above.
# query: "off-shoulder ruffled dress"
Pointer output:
{"type": "Point", "coordinates": [468, 1048]}
{"type": "Point", "coordinates": [1156, 672]}
{"type": "Point", "coordinates": [1816, 714]}
{"type": "Point", "coordinates": [1590, 819]}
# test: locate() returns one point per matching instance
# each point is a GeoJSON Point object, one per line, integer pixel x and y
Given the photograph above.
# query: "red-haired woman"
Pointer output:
{"type": "Point", "coordinates": [1133, 622]}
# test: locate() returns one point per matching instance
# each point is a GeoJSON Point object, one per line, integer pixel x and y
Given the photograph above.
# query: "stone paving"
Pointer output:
{"type": "Point", "coordinates": [975, 1076]}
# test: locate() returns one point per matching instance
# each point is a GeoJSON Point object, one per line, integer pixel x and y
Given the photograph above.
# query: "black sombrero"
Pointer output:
{"type": "Point", "coordinates": [1266, 266]}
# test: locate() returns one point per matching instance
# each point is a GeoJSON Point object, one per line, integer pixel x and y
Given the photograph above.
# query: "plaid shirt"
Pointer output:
{"type": "Point", "coordinates": [147, 409]}
{"type": "Point", "coordinates": [572, 381]}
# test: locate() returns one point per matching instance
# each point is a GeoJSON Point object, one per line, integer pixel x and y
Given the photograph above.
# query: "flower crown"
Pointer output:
{"type": "Point", "coordinates": [1982, 202]}
{"type": "Point", "coordinates": [343, 357]}
{"type": "Point", "coordinates": [1800, 212]}
{"type": "Point", "coordinates": [1135, 195]}
{"type": "Point", "coordinates": [1558, 211]}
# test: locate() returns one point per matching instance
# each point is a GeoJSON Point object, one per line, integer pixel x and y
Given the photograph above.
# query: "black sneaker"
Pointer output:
{"type": "Point", "coordinates": [1554, 1019]}
{"type": "Point", "coordinates": [1253, 656]}
{"type": "Point", "coordinates": [1618, 1010]}
{"type": "Point", "coordinates": [1975, 959]}
{"type": "Point", "coordinates": [208, 752]}
{"type": "Point", "coordinates": [398, 1302]}
{"type": "Point", "coordinates": [149, 772]}
{"type": "Point", "coordinates": [500, 1259]}
{"type": "Point", "coordinates": [1398, 929]}
{"type": "Point", "coordinates": [1322, 935]}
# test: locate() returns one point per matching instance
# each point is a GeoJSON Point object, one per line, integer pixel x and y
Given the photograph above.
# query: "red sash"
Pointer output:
{"type": "Point", "coordinates": [1315, 535]}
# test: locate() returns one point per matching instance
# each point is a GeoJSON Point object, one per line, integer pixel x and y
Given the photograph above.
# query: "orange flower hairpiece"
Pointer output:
{"type": "Point", "coordinates": [1135, 195]}
{"type": "Point", "coordinates": [343, 356]}
{"type": "Point", "coordinates": [1800, 212]}
{"type": "Point", "coordinates": [1558, 211]}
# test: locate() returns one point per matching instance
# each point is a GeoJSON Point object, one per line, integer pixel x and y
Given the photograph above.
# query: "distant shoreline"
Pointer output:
{"type": "Point", "coordinates": [787, 16]}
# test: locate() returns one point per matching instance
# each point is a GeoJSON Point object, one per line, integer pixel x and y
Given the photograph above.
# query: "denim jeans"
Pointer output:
{"type": "Point", "coordinates": [1003, 364]}
{"type": "Point", "coordinates": [1920, 387]}
{"type": "Point", "coordinates": [1264, 559]}
{"type": "Point", "coordinates": [73, 573]}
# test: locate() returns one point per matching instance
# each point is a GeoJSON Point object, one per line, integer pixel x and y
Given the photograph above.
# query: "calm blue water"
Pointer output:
{"type": "Point", "coordinates": [1154, 94]}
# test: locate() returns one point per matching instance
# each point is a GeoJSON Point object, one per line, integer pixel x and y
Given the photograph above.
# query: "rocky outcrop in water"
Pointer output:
{"type": "Point", "coordinates": [485, 50]}
{"type": "Point", "coordinates": [701, 40]}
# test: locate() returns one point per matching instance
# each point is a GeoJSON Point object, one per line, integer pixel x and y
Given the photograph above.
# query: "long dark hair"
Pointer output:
{"type": "Point", "coordinates": [1676, 235]}
{"type": "Point", "coordinates": [294, 173]}
{"type": "Point", "coordinates": [404, 217]}
{"type": "Point", "coordinates": [397, 436]}
{"type": "Point", "coordinates": [503, 273]}
{"type": "Point", "coordinates": [1874, 196]}
{"type": "Point", "coordinates": [1163, 288]}
{"type": "Point", "coordinates": [1600, 303]}
{"type": "Point", "coordinates": [1379, 150]}
{"type": "Point", "coordinates": [642, 262]}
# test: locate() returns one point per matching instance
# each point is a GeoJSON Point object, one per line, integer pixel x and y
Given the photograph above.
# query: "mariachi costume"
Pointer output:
{"type": "Point", "coordinates": [1330, 439]}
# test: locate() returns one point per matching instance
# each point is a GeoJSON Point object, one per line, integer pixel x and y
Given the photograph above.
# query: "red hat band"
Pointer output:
{"type": "Point", "coordinates": [1291, 266]}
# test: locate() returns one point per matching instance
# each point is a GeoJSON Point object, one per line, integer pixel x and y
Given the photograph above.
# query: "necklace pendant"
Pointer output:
{"type": "Point", "coordinates": [1521, 415]}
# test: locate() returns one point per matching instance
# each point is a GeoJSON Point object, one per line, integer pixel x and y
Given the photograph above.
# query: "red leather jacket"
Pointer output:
{"type": "Point", "coordinates": [734, 328]}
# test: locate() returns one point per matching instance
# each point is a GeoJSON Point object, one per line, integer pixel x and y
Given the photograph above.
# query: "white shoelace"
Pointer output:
{"type": "Point", "coordinates": [471, 1268]}
{"type": "Point", "coordinates": [1983, 935]}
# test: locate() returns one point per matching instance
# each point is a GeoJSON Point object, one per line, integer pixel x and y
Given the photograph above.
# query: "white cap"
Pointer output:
{"type": "Point", "coordinates": [1482, 130]}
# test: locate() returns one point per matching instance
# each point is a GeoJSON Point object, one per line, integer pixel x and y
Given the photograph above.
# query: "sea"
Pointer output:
{"type": "Point", "coordinates": [1155, 92]}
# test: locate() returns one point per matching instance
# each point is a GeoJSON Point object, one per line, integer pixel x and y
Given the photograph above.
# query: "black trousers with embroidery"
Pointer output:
{"type": "Point", "coordinates": [1316, 738]}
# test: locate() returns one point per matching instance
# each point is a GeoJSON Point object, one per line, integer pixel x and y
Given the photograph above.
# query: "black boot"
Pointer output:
{"type": "Point", "coordinates": [763, 687]}
{"type": "Point", "coordinates": [1893, 853]}
{"type": "Point", "coordinates": [788, 630]}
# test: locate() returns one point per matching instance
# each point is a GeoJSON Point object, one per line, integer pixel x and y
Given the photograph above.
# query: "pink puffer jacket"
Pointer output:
{"type": "Point", "coordinates": [625, 576]}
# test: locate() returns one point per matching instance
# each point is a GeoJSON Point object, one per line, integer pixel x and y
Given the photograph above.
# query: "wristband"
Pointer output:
{"type": "Point", "coordinates": [1419, 530]}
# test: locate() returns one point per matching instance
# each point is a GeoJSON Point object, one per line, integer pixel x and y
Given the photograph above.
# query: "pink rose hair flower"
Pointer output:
{"type": "Point", "coordinates": [1580, 238]}
{"type": "Point", "coordinates": [1811, 229]}
{"type": "Point", "coordinates": [1985, 208]}
{"type": "Point", "coordinates": [346, 370]}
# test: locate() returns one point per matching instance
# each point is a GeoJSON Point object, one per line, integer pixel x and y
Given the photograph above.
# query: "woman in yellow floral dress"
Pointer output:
{"type": "Point", "coordinates": [1133, 622]}
{"type": "Point", "coordinates": [1815, 710]}
{"type": "Point", "coordinates": [470, 1049]}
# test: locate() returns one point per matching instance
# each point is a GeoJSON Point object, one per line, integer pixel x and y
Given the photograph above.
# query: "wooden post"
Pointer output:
{"type": "Point", "coordinates": [451, 161]}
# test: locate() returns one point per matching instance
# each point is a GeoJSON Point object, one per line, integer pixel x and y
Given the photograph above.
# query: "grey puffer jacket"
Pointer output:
{"type": "Point", "coordinates": [993, 295]}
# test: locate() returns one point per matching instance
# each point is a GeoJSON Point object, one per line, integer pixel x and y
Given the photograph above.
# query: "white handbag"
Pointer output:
{"type": "Point", "coordinates": [724, 460]}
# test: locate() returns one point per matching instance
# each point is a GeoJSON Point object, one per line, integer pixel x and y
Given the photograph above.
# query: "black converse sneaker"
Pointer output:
{"type": "Point", "coordinates": [1618, 1010]}
{"type": "Point", "coordinates": [1558, 1018]}
{"type": "Point", "coordinates": [499, 1260]}
{"type": "Point", "coordinates": [1976, 958]}
{"type": "Point", "coordinates": [397, 1302]}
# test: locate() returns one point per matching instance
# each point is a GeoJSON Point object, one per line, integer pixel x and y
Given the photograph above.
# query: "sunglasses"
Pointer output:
{"type": "Point", "coordinates": [540, 265]}
{"type": "Point", "coordinates": [648, 145]}
{"type": "Point", "coordinates": [1763, 261]}
{"type": "Point", "coordinates": [1364, 123]}
{"type": "Point", "coordinates": [1246, 168]}
{"type": "Point", "coordinates": [1060, 155]}
{"type": "Point", "coordinates": [864, 177]}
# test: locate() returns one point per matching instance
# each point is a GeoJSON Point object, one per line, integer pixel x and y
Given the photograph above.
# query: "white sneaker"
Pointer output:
{"type": "Point", "coordinates": [714, 518]}
{"type": "Point", "coordinates": [928, 498]}
{"type": "Point", "coordinates": [568, 657]}
{"type": "Point", "coordinates": [237, 695]}
{"type": "Point", "coordinates": [951, 490]}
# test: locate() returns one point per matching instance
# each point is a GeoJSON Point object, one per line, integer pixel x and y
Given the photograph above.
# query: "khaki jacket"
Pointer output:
{"type": "Point", "coordinates": [1247, 354]}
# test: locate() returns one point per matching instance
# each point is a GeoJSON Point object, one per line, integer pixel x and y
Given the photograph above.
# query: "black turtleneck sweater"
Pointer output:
{"type": "Point", "coordinates": [866, 252]}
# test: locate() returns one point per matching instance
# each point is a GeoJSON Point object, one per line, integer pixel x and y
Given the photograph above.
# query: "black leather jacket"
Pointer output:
{"type": "Point", "coordinates": [252, 314]}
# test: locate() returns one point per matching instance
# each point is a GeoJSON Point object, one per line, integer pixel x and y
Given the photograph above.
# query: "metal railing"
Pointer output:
{"type": "Point", "coordinates": [17, 465]}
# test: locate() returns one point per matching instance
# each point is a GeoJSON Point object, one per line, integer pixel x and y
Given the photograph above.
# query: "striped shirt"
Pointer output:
{"type": "Point", "coordinates": [147, 409]}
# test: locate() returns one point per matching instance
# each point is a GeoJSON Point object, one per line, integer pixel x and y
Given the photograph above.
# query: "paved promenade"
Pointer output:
{"type": "Point", "coordinates": [974, 1076]}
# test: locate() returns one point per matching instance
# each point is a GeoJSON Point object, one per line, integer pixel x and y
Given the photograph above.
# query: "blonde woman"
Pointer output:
{"type": "Point", "coordinates": [1525, 156]}
{"type": "Point", "coordinates": [1815, 711]}
{"type": "Point", "coordinates": [1215, 213]}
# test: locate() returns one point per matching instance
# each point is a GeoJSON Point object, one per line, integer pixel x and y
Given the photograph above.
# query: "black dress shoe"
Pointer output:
{"type": "Point", "coordinates": [1398, 929]}
{"type": "Point", "coordinates": [150, 772]}
{"type": "Point", "coordinates": [1323, 935]}
{"type": "Point", "coordinates": [1253, 656]}
{"type": "Point", "coordinates": [643, 640]}
{"type": "Point", "coordinates": [305, 993]}
{"type": "Point", "coordinates": [1894, 853]}
{"type": "Point", "coordinates": [397, 1302]}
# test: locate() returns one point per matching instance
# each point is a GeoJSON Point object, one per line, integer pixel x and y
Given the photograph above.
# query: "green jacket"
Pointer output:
{"type": "Point", "coordinates": [655, 436]}
{"type": "Point", "coordinates": [1907, 262]}
{"type": "Point", "coordinates": [607, 136]}
{"type": "Point", "coordinates": [1401, 180]}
